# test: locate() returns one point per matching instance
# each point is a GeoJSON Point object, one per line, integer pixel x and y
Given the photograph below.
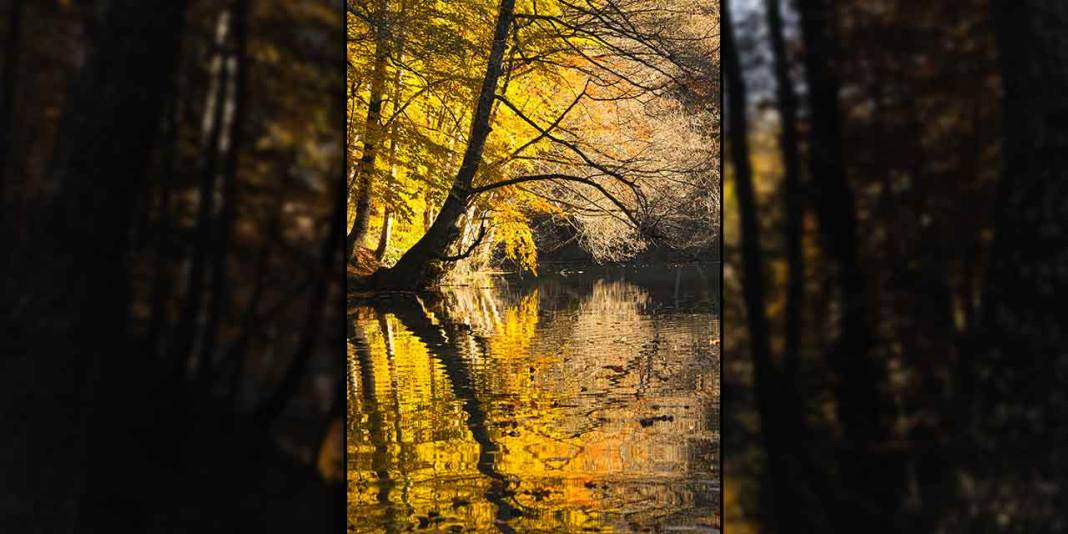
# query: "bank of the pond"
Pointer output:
{"type": "Point", "coordinates": [567, 260]}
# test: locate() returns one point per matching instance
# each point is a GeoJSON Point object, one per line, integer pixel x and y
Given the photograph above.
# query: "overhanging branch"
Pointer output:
{"type": "Point", "coordinates": [564, 177]}
{"type": "Point", "coordinates": [470, 250]}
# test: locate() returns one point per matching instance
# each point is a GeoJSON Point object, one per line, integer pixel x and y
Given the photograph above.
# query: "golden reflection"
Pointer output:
{"type": "Point", "coordinates": [546, 409]}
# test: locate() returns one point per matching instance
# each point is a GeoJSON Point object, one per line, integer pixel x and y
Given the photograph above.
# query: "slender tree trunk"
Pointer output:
{"type": "Point", "coordinates": [780, 418]}
{"type": "Point", "coordinates": [789, 145]}
{"type": "Point", "coordinates": [428, 215]}
{"type": "Point", "coordinates": [383, 238]}
{"type": "Point", "coordinates": [1017, 374]}
{"type": "Point", "coordinates": [398, 92]}
{"type": "Point", "coordinates": [212, 131]}
{"type": "Point", "coordinates": [869, 481]}
{"type": "Point", "coordinates": [372, 134]}
{"type": "Point", "coordinates": [424, 263]}
{"type": "Point", "coordinates": [231, 142]}
{"type": "Point", "coordinates": [12, 56]}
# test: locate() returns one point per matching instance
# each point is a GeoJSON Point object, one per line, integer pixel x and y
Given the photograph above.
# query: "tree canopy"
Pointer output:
{"type": "Point", "coordinates": [599, 127]}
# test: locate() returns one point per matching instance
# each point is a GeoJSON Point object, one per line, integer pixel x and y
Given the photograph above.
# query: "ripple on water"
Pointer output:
{"type": "Point", "coordinates": [557, 405]}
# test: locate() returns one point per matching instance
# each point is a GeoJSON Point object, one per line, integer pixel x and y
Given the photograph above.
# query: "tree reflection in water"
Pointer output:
{"type": "Point", "coordinates": [568, 403]}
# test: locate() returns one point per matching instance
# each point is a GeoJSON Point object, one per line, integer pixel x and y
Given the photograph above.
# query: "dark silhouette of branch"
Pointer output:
{"type": "Point", "coordinates": [470, 250]}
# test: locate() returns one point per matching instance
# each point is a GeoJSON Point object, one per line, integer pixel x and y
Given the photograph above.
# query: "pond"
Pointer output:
{"type": "Point", "coordinates": [583, 400]}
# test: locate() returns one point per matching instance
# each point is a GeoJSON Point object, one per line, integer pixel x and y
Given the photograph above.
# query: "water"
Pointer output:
{"type": "Point", "coordinates": [575, 402]}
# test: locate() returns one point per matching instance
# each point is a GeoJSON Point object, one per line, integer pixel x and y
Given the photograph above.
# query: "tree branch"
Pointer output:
{"type": "Point", "coordinates": [467, 253]}
{"type": "Point", "coordinates": [565, 177]}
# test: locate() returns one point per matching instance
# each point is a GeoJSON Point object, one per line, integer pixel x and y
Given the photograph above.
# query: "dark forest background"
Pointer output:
{"type": "Point", "coordinates": [895, 212]}
{"type": "Point", "coordinates": [171, 175]}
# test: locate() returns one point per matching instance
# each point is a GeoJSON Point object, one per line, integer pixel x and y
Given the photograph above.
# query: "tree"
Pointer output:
{"type": "Point", "coordinates": [789, 144]}
{"type": "Point", "coordinates": [424, 261]}
{"type": "Point", "coordinates": [569, 76]}
{"type": "Point", "coordinates": [373, 131]}
{"type": "Point", "coordinates": [782, 424]}
{"type": "Point", "coordinates": [858, 377]}
{"type": "Point", "coordinates": [102, 157]}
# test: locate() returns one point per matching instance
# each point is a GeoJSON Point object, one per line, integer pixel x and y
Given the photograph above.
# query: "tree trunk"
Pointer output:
{"type": "Point", "coordinates": [64, 358]}
{"type": "Point", "coordinates": [424, 264]}
{"type": "Point", "coordinates": [383, 238]}
{"type": "Point", "coordinates": [872, 494]}
{"type": "Point", "coordinates": [212, 131]}
{"type": "Point", "coordinates": [780, 418]}
{"type": "Point", "coordinates": [786, 98]}
{"type": "Point", "coordinates": [398, 91]}
{"type": "Point", "coordinates": [231, 141]}
{"type": "Point", "coordinates": [1019, 370]}
{"type": "Point", "coordinates": [372, 136]}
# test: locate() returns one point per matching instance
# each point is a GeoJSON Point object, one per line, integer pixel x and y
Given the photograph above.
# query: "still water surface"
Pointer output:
{"type": "Point", "coordinates": [582, 401]}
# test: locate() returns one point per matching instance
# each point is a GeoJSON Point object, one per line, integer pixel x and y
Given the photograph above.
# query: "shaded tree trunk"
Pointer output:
{"type": "Point", "coordinates": [231, 145]}
{"type": "Point", "coordinates": [424, 264]}
{"type": "Point", "coordinates": [383, 238]}
{"type": "Point", "coordinates": [162, 278]}
{"type": "Point", "coordinates": [779, 415]}
{"type": "Point", "coordinates": [212, 132]}
{"type": "Point", "coordinates": [372, 135]}
{"type": "Point", "coordinates": [868, 481]}
{"type": "Point", "coordinates": [77, 345]}
{"type": "Point", "coordinates": [235, 357]}
{"type": "Point", "coordinates": [398, 91]}
{"type": "Point", "coordinates": [786, 99]}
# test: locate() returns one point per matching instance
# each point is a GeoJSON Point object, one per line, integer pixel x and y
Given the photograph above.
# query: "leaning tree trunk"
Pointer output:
{"type": "Point", "coordinates": [1022, 361]}
{"type": "Point", "coordinates": [373, 133]}
{"type": "Point", "coordinates": [424, 264]}
{"type": "Point", "coordinates": [76, 337]}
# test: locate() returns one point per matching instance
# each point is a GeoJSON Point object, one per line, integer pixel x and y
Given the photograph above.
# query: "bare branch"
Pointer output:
{"type": "Point", "coordinates": [470, 250]}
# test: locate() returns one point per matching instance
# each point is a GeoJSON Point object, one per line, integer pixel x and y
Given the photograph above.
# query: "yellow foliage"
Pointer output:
{"type": "Point", "coordinates": [512, 228]}
{"type": "Point", "coordinates": [427, 111]}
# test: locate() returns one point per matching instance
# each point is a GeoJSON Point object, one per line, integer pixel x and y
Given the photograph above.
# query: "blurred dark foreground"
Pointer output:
{"type": "Point", "coordinates": [171, 293]}
{"type": "Point", "coordinates": [896, 266]}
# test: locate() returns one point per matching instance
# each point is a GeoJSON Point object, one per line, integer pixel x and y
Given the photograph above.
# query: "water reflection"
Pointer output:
{"type": "Point", "coordinates": [575, 402]}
